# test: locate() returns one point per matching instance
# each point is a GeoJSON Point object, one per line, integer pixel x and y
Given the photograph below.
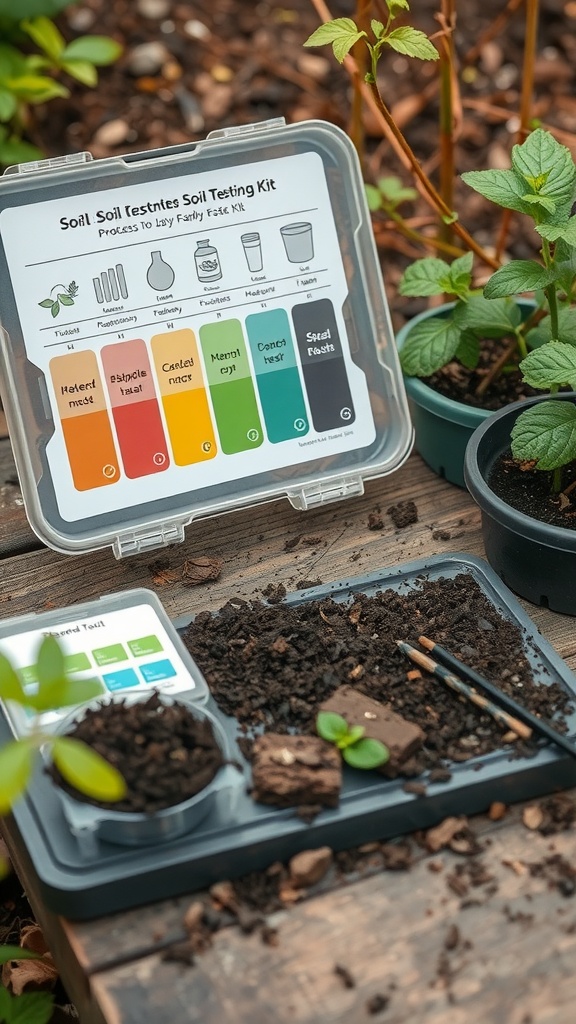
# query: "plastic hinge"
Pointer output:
{"type": "Point", "coordinates": [52, 163]}
{"type": "Point", "coordinates": [323, 494]}
{"type": "Point", "coordinates": [160, 537]}
{"type": "Point", "coordinates": [247, 129]}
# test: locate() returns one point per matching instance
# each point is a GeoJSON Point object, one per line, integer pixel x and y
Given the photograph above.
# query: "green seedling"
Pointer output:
{"type": "Point", "coordinates": [64, 297]}
{"type": "Point", "coordinates": [357, 750]}
{"type": "Point", "coordinates": [81, 766]}
{"type": "Point", "coordinates": [541, 184]}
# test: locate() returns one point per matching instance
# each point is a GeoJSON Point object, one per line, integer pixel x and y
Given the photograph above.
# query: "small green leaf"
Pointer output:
{"type": "Point", "coordinates": [554, 232]}
{"type": "Point", "coordinates": [505, 188]}
{"type": "Point", "coordinates": [10, 685]}
{"type": "Point", "coordinates": [412, 42]}
{"type": "Point", "coordinates": [8, 953]}
{"type": "Point", "coordinates": [45, 35]}
{"type": "Point", "coordinates": [341, 32]}
{"type": "Point", "coordinates": [16, 151]}
{"type": "Point", "coordinates": [549, 205]}
{"type": "Point", "coordinates": [50, 662]}
{"type": "Point", "coordinates": [461, 273]}
{"type": "Point", "coordinates": [449, 218]}
{"type": "Point", "coordinates": [354, 734]}
{"type": "Point", "coordinates": [428, 276]}
{"type": "Point", "coordinates": [55, 308]}
{"type": "Point", "coordinates": [99, 50]}
{"type": "Point", "coordinates": [549, 366]}
{"type": "Point", "coordinates": [30, 1008]}
{"type": "Point", "coordinates": [367, 753]}
{"type": "Point", "coordinates": [86, 770]}
{"type": "Point", "coordinates": [488, 318]}
{"type": "Point", "coordinates": [430, 345]}
{"type": "Point", "coordinates": [468, 351]}
{"type": "Point", "coordinates": [395, 191]}
{"type": "Point", "coordinates": [8, 105]}
{"type": "Point", "coordinates": [548, 169]}
{"type": "Point", "coordinates": [394, 6]}
{"type": "Point", "coordinates": [377, 27]}
{"type": "Point", "coordinates": [82, 71]}
{"type": "Point", "coordinates": [16, 759]}
{"type": "Point", "coordinates": [35, 88]}
{"type": "Point", "coordinates": [66, 300]}
{"type": "Point", "coordinates": [330, 726]}
{"type": "Point", "coordinates": [47, 303]}
{"type": "Point", "coordinates": [518, 276]}
{"type": "Point", "coordinates": [373, 198]}
{"type": "Point", "coordinates": [546, 433]}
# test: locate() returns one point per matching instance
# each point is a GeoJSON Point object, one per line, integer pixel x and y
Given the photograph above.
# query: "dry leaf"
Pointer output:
{"type": "Point", "coordinates": [30, 975]}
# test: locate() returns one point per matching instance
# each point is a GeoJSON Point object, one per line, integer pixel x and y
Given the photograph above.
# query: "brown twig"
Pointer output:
{"type": "Point", "coordinates": [495, 368]}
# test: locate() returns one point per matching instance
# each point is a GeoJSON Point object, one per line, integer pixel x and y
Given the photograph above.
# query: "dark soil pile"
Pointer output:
{"type": "Point", "coordinates": [270, 666]}
{"type": "Point", "coordinates": [164, 753]}
{"type": "Point", "coordinates": [529, 491]}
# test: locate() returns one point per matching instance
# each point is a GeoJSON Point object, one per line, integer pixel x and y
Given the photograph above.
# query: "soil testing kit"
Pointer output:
{"type": "Point", "coordinates": [189, 330]}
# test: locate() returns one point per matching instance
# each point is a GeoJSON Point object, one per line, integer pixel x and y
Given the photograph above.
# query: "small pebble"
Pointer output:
{"type": "Point", "coordinates": [147, 59]}
{"type": "Point", "coordinates": [112, 133]}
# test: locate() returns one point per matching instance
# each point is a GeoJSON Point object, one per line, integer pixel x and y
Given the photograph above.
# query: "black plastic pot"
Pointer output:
{"type": "Point", "coordinates": [535, 559]}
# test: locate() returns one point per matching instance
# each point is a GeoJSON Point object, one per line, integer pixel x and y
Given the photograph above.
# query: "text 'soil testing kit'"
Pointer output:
{"type": "Point", "coordinates": [190, 330]}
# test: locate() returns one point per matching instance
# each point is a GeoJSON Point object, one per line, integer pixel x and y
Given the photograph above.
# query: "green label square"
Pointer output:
{"type": "Point", "coordinates": [145, 645]}
{"type": "Point", "coordinates": [28, 674]}
{"type": "Point", "coordinates": [109, 655]}
{"type": "Point", "coordinates": [77, 662]}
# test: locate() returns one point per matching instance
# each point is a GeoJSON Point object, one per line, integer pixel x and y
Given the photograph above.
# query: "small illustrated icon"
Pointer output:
{"type": "Point", "coordinates": [109, 471]}
{"type": "Point", "coordinates": [160, 275]}
{"type": "Point", "coordinates": [64, 297]}
{"type": "Point", "coordinates": [253, 434]}
{"type": "Point", "coordinates": [207, 261]}
{"type": "Point", "coordinates": [252, 250]}
{"type": "Point", "coordinates": [298, 241]}
{"type": "Point", "coordinates": [110, 285]}
{"type": "Point", "coordinates": [159, 459]}
{"type": "Point", "coordinates": [300, 424]}
{"type": "Point", "coordinates": [207, 446]}
{"type": "Point", "coordinates": [345, 413]}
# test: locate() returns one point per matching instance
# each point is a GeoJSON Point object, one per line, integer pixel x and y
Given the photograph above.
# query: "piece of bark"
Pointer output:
{"type": "Point", "coordinates": [291, 770]}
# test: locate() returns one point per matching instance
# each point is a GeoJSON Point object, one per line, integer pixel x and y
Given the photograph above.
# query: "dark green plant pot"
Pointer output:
{"type": "Point", "coordinates": [535, 559]}
{"type": "Point", "coordinates": [442, 427]}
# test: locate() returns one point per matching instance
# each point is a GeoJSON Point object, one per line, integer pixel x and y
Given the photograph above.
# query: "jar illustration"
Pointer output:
{"type": "Point", "coordinates": [160, 275]}
{"type": "Point", "coordinates": [207, 261]}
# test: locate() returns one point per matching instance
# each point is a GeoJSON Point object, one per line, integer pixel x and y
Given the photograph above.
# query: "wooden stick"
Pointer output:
{"type": "Point", "coordinates": [497, 713]}
{"type": "Point", "coordinates": [537, 725]}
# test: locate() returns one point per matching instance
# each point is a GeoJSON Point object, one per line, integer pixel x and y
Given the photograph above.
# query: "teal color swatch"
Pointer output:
{"type": "Point", "coordinates": [277, 375]}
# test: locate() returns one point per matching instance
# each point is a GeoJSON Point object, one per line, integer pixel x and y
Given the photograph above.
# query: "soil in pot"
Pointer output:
{"type": "Point", "coordinates": [529, 491]}
{"type": "Point", "coordinates": [271, 666]}
{"type": "Point", "coordinates": [457, 382]}
{"type": "Point", "coordinates": [165, 754]}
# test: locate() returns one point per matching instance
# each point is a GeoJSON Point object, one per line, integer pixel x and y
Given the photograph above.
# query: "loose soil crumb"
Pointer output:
{"type": "Point", "coordinates": [375, 521]}
{"type": "Point", "coordinates": [403, 514]}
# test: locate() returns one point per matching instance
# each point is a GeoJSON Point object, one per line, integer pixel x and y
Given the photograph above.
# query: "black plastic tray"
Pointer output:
{"type": "Point", "coordinates": [83, 884]}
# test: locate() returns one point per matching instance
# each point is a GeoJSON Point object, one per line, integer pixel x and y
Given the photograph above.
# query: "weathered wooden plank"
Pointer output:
{"type": "Point", "coordinates": [15, 532]}
{"type": "Point", "coordinates": [506, 956]}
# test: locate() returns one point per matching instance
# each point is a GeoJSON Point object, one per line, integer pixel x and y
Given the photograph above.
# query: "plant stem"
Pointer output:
{"type": "Point", "coordinates": [447, 87]}
{"type": "Point", "coordinates": [496, 368]}
{"type": "Point", "coordinates": [359, 52]}
{"type": "Point", "coordinates": [417, 236]}
{"type": "Point", "coordinates": [557, 480]}
{"type": "Point", "coordinates": [402, 147]}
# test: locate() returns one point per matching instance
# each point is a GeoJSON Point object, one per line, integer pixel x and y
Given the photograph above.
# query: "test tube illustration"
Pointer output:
{"type": "Point", "coordinates": [252, 250]}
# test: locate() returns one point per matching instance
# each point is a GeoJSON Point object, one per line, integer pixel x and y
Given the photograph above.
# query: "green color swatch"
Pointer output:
{"type": "Point", "coordinates": [145, 645]}
{"type": "Point", "coordinates": [109, 655]}
{"type": "Point", "coordinates": [77, 662]}
{"type": "Point", "coordinates": [231, 386]}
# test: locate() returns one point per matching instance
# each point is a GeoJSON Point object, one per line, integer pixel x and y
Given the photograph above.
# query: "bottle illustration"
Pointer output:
{"type": "Point", "coordinates": [160, 275]}
{"type": "Point", "coordinates": [207, 261]}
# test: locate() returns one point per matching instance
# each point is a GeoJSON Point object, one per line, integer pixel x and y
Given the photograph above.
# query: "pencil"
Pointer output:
{"type": "Point", "coordinates": [536, 724]}
{"type": "Point", "coordinates": [459, 686]}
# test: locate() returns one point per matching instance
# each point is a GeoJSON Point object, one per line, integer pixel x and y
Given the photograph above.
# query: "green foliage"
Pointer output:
{"type": "Point", "coordinates": [64, 297]}
{"type": "Point", "coordinates": [541, 184]}
{"type": "Point", "coordinates": [388, 194]}
{"type": "Point", "coordinates": [27, 79]}
{"type": "Point", "coordinates": [357, 750]}
{"type": "Point", "coordinates": [79, 764]}
{"type": "Point", "coordinates": [27, 1008]}
{"type": "Point", "coordinates": [343, 33]}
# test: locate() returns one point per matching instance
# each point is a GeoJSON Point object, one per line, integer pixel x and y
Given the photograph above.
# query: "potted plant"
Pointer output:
{"type": "Point", "coordinates": [135, 769]}
{"type": "Point", "coordinates": [541, 184]}
{"type": "Point", "coordinates": [520, 464]}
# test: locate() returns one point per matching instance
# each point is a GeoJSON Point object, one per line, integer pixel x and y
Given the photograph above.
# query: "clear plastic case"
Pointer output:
{"type": "Point", "coordinates": [190, 330]}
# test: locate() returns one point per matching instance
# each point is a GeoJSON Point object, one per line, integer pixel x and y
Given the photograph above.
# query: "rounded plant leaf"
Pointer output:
{"type": "Point", "coordinates": [16, 759]}
{"type": "Point", "coordinates": [546, 434]}
{"type": "Point", "coordinates": [366, 753]}
{"type": "Point", "coordinates": [330, 726]}
{"type": "Point", "coordinates": [93, 49]}
{"type": "Point", "coordinates": [354, 734]}
{"type": "Point", "coordinates": [82, 70]}
{"type": "Point", "coordinates": [86, 770]}
{"type": "Point", "coordinates": [430, 345]}
{"type": "Point", "coordinates": [550, 365]}
{"type": "Point", "coordinates": [10, 685]}
{"type": "Point", "coordinates": [518, 276]}
{"type": "Point", "coordinates": [428, 276]}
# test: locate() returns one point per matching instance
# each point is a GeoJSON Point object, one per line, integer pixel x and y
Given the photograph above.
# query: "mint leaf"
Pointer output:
{"type": "Point", "coordinates": [377, 28]}
{"type": "Point", "coordinates": [412, 42]}
{"type": "Point", "coordinates": [428, 276]}
{"type": "Point", "coordinates": [367, 754]}
{"type": "Point", "coordinates": [548, 168]}
{"type": "Point", "coordinates": [31, 1008]}
{"type": "Point", "coordinates": [330, 726]}
{"type": "Point", "coordinates": [430, 345]}
{"type": "Point", "coordinates": [554, 232]}
{"type": "Point", "coordinates": [549, 366]}
{"type": "Point", "coordinates": [341, 32]}
{"type": "Point", "coordinates": [488, 318]}
{"type": "Point", "coordinates": [542, 333]}
{"type": "Point", "coordinates": [518, 276]}
{"type": "Point", "coordinates": [55, 308]}
{"type": "Point", "coordinates": [468, 351]}
{"type": "Point", "coordinates": [394, 6]}
{"type": "Point", "coordinates": [394, 190]}
{"type": "Point", "coordinates": [46, 303]}
{"type": "Point", "coordinates": [546, 434]}
{"type": "Point", "coordinates": [505, 188]}
{"type": "Point", "coordinates": [461, 273]}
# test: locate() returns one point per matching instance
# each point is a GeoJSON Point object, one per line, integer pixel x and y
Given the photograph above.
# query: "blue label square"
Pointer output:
{"type": "Point", "coordinates": [156, 671]}
{"type": "Point", "coordinates": [120, 680]}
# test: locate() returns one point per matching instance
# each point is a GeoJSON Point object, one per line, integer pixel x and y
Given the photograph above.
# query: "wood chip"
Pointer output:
{"type": "Point", "coordinates": [517, 866]}
{"type": "Point", "coordinates": [532, 817]}
{"type": "Point", "coordinates": [443, 833]}
{"type": "Point", "coordinates": [497, 811]}
{"type": "Point", "coordinates": [201, 570]}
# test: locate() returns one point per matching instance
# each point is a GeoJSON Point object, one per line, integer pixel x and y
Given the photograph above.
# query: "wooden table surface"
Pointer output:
{"type": "Point", "coordinates": [504, 954]}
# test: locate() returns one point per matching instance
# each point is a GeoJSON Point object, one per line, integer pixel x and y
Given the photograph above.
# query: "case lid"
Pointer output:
{"type": "Point", "coordinates": [124, 640]}
{"type": "Point", "coordinates": [189, 330]}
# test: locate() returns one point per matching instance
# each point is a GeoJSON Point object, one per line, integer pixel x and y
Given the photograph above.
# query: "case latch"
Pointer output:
{"type": "Point", "coordinates": [51, 163]}
{"type": "Point", "coordinates": [324, 493]}
{"type": "Point", "coordinates": [160, 537]}
{"type": "Point", "coordinates": [247, 129]}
